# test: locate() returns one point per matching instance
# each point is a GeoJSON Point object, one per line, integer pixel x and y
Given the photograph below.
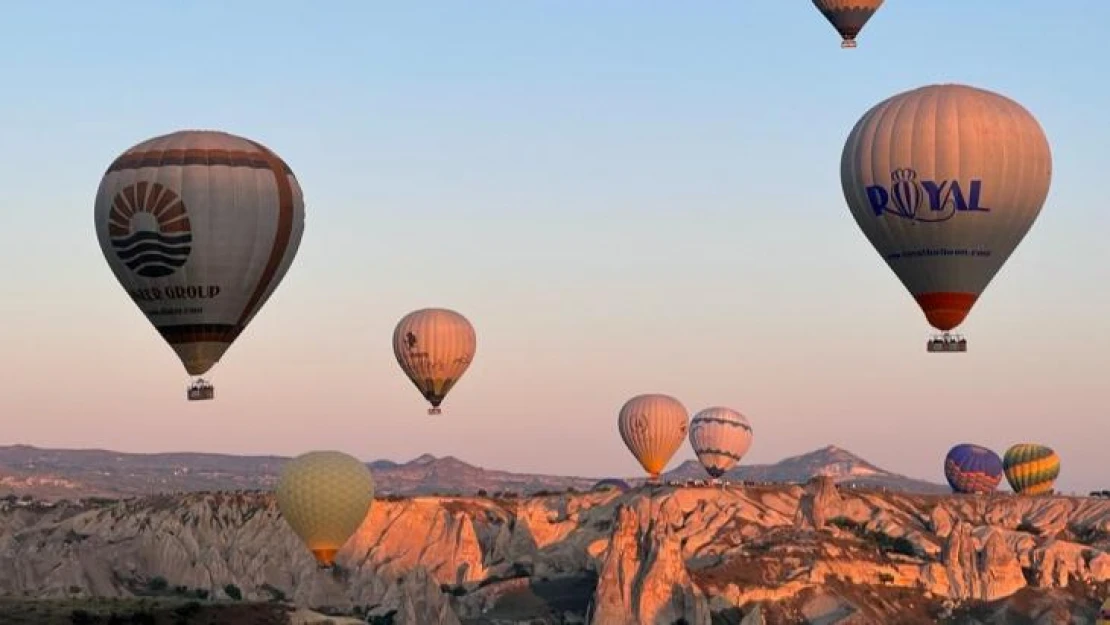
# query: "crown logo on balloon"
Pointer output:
{"type": "Point", "coordinates": [903, 174]}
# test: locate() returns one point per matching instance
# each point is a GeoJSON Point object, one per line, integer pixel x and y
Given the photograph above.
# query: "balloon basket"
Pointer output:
{"type": "Point", "coordinates": [200, 391]}
{"type": "Point", "coordinates": [848, 43]}
{"type": "Point", "coordinates": [947, 344]}
{"type": "Point", "coordinates": [434, 411]}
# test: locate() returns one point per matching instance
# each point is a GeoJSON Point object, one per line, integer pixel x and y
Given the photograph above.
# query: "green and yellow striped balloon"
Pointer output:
{"type": "Point", "coordinates": [1031, 469]}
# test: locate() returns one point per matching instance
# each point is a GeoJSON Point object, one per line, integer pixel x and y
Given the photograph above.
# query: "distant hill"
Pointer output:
{"type": "Point", "coordinates": [62, 473]}
{"type": "Point", "coordinates": [846, 467]}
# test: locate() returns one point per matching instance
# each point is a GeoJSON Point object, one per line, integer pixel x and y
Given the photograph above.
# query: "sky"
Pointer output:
{"type": "Point", "coordinates": [625, 197]}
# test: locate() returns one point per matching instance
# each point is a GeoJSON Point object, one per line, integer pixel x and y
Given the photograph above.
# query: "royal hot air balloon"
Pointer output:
{"type": "Point", "coordinates": [434, 347]}
{"type": "Point", "coordinates": [199, 227]}
{"type": "Point", "coordinates": [972, 469]}
{"type": "Point", "coordinates": [720, 438]}
{"type": "Point", "coordinates": [945, 181]}
{"type": "Point", "coordinates": [1031, 469]}
{"type": "Point", "coordinates": [325, 496]}
{"type": "Point", "coordinates": [848, 16]}
{"type": "Point", "coordinates": [653, 427]}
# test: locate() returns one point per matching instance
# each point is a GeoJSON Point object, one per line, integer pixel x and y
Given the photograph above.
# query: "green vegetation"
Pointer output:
{"type": "Point", "coordinates": [276, 594]}
{"type": "Point", "coordinates": [385, 619]}
{"type": "Point", "coordinates": [231, 590]}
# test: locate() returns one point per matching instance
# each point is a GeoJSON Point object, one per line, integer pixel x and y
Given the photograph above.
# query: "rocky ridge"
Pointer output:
{"type": "Point", "coordinates": [777, 554]}
{"type": "Point", "coordinates": [82, 473]}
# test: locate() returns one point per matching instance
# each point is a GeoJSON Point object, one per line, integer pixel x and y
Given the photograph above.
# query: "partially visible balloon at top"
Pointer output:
{"type": "Point", "coordinates": [199, 227]}
{"type": "Point", "coordinates": [848, 16]}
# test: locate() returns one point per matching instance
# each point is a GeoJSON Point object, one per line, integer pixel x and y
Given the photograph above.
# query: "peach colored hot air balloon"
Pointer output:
{"type": "Point", "coordinates": [199, 227]}
{"type": "Point", "coordinates": [945, 181]}
{"type": "Point", "coordinates": [848, 16]}
{"type": "Point", "coordinates": [325, 496]}
{"type": "Point", "coordinates": [434, 347]}
{"type": "Point", "coordinates": [653, 428]}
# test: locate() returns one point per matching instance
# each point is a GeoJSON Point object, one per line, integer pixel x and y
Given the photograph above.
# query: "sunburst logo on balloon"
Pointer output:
{"type": "Point", "coordinates": [149, 228]}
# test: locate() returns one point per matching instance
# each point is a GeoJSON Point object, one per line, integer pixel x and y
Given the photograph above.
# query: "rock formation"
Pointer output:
{"type": "Point", "coordinates": [753, 554]}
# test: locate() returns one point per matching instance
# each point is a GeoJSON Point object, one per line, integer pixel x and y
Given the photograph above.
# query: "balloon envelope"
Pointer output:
{"type": "Point", "coordinates": [1031, 469]}
{"type": "Point", "coordinates": [434, 347]}
{"type": "Point", "coordinates": [720, 438]}
{"type": "Point", "coordinates": [653, 427]}
{"type": "Point", "coordinates": [325, 496]}
{"type": "Point", "coordinates": [848, 16]}
{"type": "Point", "coordinates": [199, 228]}
{"type": "Point", "coordinates": [972, 469]}
{"type": "Point", "coordinates": [945, 181]}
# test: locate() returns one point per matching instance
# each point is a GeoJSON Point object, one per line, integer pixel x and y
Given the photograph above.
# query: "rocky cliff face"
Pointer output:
{"type": "Point", "coordinates": [820, 554]}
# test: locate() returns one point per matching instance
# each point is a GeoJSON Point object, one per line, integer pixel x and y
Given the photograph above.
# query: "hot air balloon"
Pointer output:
{"type": "Point", "coordinates": [1031, 469]}
{"type": "Point", "coordinates": [325, 496]}
{"type": "Point", "coordinates": [434, 347]}
{"type": "Point", "coordinates": [848, 16]}
{"type": "Point", "coordinates": [972, 469]}
{"type": "Point", "coordinates": [720, 438]}
{"type": "Point", "coordinates": [1104, 613]}
{"type": "Point", "coordinates": [199, 227]}
{"type": "Point", "coordinates": [653, 427]}
{"type": "Point", "coordinates": [945, 181]}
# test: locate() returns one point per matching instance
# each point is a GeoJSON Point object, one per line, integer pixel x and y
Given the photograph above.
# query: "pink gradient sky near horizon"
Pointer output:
{"type": "Point", "coordinates": [617, 218]}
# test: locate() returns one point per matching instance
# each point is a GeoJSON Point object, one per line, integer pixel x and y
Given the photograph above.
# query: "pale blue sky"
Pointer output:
{"type": "Point", "coordinates": [623, 196]}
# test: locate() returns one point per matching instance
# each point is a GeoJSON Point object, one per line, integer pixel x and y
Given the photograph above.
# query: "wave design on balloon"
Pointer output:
{"type": "Point", "coordinates": [150, 230]}
{"type": "Point", "coordinates": [153, 254]}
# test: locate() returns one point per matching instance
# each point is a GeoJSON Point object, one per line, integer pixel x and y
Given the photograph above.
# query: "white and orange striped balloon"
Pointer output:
{"type": "Point", "coordinates": [434, 347]}
{"type": "Point", "coordinates": [945, 181]}
{"type": "Point", "coordinates": [199, 227]}
{"type": "Point", "coordinates": [720, 437]}
{"type": "Point", "coordinates": [653, 427]}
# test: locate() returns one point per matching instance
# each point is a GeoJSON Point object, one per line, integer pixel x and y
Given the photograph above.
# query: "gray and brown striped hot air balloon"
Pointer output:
{"type": "Point", "coordinates": [720, 437]}
{"type": "Point", "coordinates": [434, 347]}
{"type": "Point", "coordinates": [199, 227]}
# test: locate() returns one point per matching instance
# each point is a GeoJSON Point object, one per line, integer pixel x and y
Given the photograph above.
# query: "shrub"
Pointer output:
{"type": "Point", "coordinates": [188, 610]}
{"type": "Point", "coordinates": [385, 619]}
{"type": "Point", "coordinates": [231, 590]}
{"type": "Point", "coordinates": [276, 594]}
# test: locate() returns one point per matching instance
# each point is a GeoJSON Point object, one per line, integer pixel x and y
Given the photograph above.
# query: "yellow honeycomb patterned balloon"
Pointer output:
{"type": "Point", "coordinates": [325, 496]}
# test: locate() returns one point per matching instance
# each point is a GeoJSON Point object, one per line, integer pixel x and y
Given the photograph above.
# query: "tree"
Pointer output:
{"type": "Point", "coordinates": [233, 591]}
